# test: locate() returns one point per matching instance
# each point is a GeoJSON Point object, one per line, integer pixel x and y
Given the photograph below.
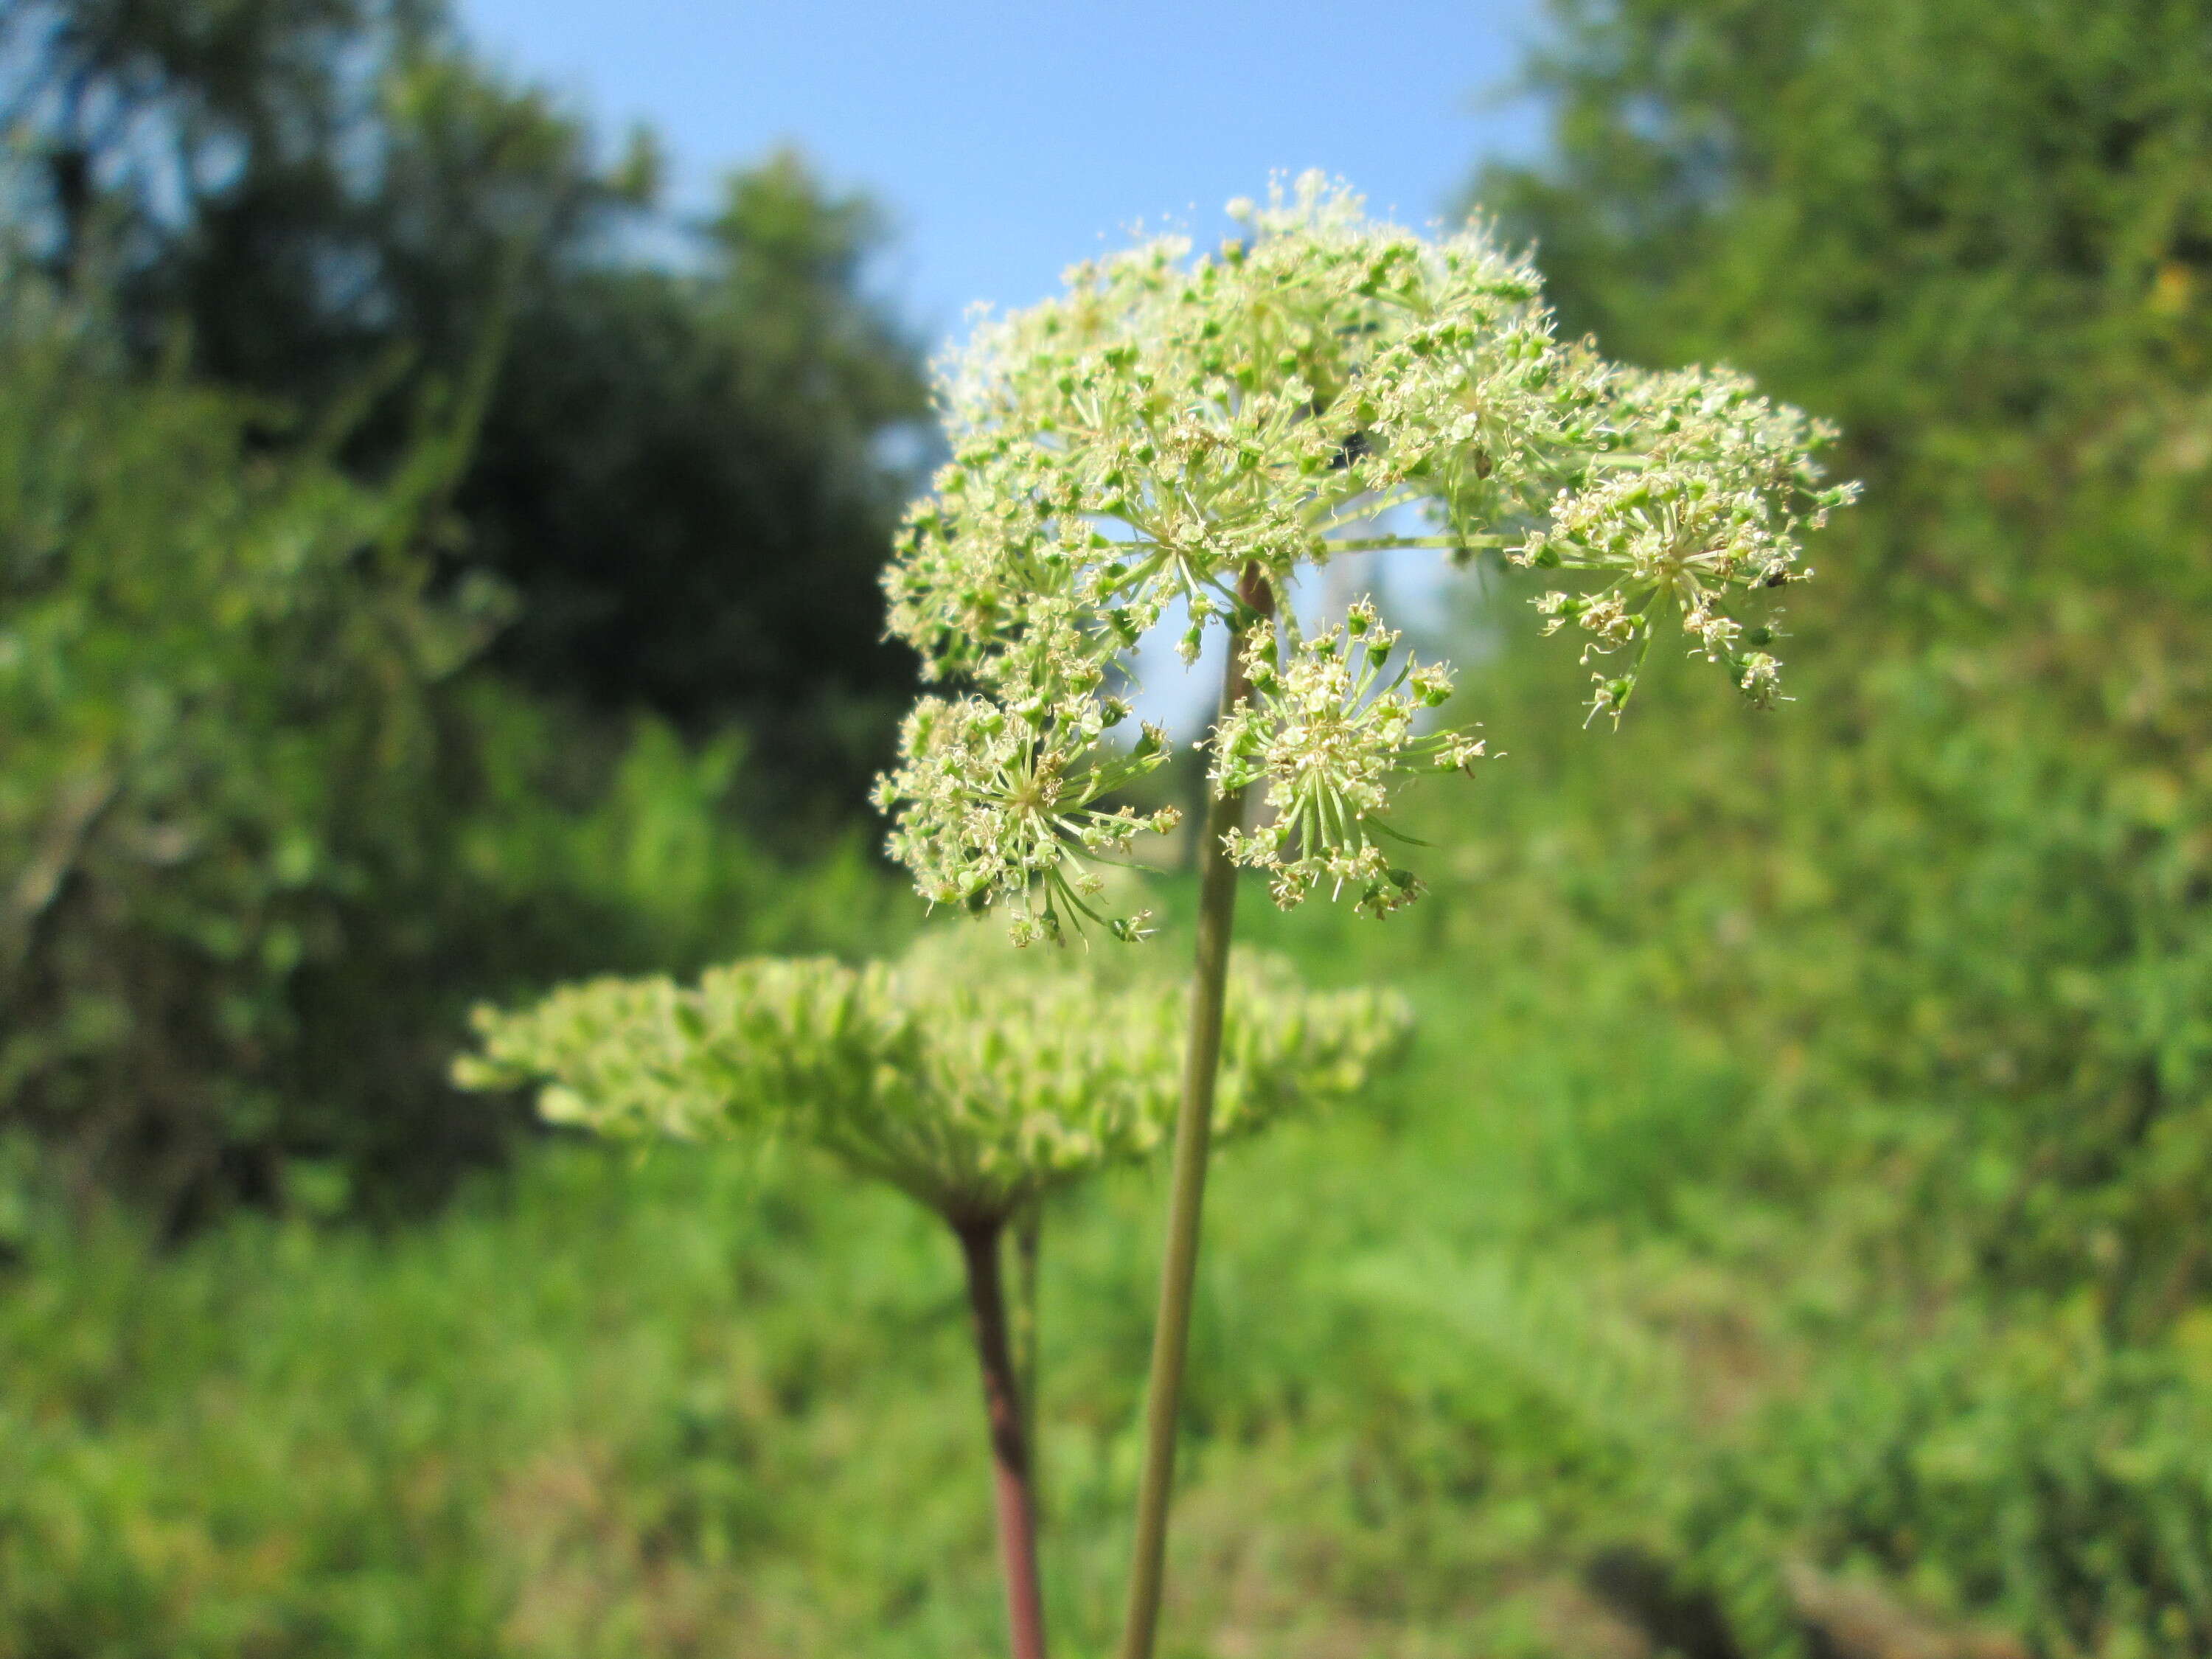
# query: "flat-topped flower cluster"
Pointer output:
{"type": "Point", "coordinates": [1202, 430]}
{"type": "Point", "coordinates": [971, 1079]}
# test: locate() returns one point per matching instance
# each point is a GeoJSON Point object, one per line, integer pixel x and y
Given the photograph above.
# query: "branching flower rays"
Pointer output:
{"type": "Point", "coordinates": [1200, 429]}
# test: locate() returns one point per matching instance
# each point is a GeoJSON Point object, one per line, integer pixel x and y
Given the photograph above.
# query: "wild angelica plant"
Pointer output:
{"type": "Point", "coordinates": [974, 1082]}
{"type": "Point", "coordinates": [1203, 432]}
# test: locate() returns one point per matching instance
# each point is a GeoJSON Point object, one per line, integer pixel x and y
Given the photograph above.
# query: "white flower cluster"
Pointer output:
{"type": "Point", "coordinates": [1008, 795]}
{"type": "Point", "coordinates": [1327, 735]}
{"type": "Point", "coordinates": [1207, 429]}
{"type": "Point", "coordinates": [1704, 488]}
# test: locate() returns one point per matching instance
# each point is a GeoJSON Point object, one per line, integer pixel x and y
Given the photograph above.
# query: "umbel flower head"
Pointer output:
{"type": "Point", "coordinates": [1206, 430]}
{"type": "Point", "coordinates": [971, 1079]}
{"type": "Point", "coordinates": [1327, 734]}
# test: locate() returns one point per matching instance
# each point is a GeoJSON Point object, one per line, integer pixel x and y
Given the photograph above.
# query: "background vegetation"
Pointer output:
{"type": "Point", "coordinates": [1789, 1239]}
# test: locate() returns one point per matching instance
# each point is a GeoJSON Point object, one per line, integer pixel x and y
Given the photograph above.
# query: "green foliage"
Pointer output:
{"type": "Point", "coordinates": [1541, 1303]}
{"type": "Point", "coordinates": [1957, 905]}
{"type": "Point", "coordinates": [1972, 894]}
{"type": "Point", "coordinates": [972, 1083]}
{"type": "Point", "coordinates": [214, 675]}
{"type": "Point", "coordinates": [1796, 1206]}
{"type": "Point", "coordinates": [337, 389]}
{"type": "Point", "coordinates": [626, 848]}
{"type": "Point", "coordinates": [683, 478]}
{"type": "Point", "coordinates": [682, 468]}
{"type": "Point", "coordinates": [263, 844]}
{"type": "Point", "coordinates": [661, 1402]}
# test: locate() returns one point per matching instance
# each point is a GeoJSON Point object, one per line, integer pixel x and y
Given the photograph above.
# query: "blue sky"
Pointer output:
{"type": "Point", "coordinates": [1006, 140]}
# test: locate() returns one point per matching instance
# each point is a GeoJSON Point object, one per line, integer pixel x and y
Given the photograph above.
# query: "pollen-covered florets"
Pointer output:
{"type": "Point", "coordinates": [1203, 431]}
{"type": "Point", "coordinates": [1327, 735]}
{"type": "Point", "coordinates": [992, 801]}
{"type": "Point", "coordinates": [1700, 494]}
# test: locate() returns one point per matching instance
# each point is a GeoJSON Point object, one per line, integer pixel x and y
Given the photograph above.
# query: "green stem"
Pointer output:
{"type": "Point", "coordinates": [1216, 914]}
{"type": "Point", "coordinates": [1385, 544]}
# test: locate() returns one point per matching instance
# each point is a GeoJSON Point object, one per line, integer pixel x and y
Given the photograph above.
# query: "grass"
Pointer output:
{"type": "Point", "coordinates": [1522, 1358]}
{"type": "Point", "coordinates": [722, 1403]}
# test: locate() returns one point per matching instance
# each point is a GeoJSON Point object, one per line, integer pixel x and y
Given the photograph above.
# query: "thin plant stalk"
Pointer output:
{"type": "Point", "coordinates": [1004, 1411]}
{"type": "Point", "coordinates": [1029, 1230]}
{"type": "Point", "coordinates": [1217, 914]}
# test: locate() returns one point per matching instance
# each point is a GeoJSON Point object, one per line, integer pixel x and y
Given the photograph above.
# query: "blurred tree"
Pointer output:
{"type": "Point", "coordinates": [223, 758]}
{"type": "Point", "coordinates": [1958, 903]}
{"type": "Point", "coordinates": [690, 478]}
{"type": "Point", "coordinates": [333, 373]}
{"type": "Point", "coordinates": [1981, 233]}
{"type": "Point", "coordinates": [308, 187]}
{"type": "Point", "coordinates": [263, 838]}
{"type": "Point", "coordinates": [688, 471]}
